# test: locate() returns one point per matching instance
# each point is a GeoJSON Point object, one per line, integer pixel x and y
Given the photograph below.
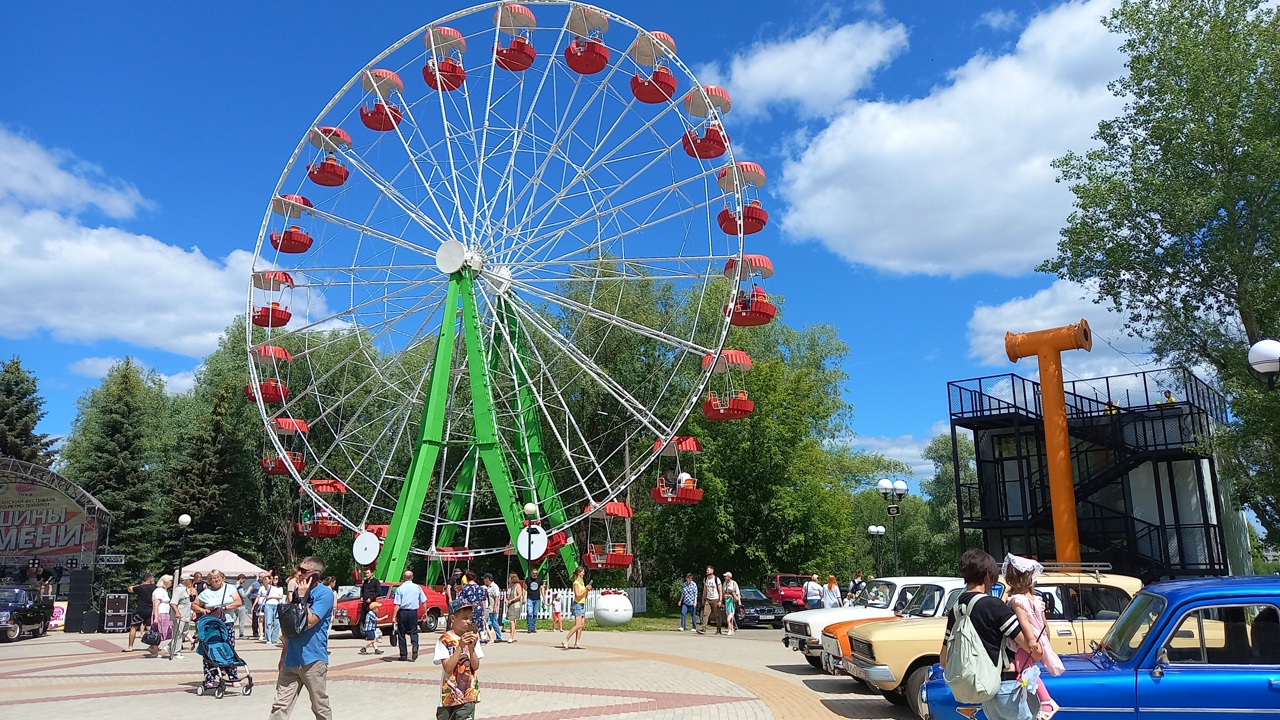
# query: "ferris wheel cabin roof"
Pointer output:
{"type": "Point", "coordinates": [751, 265]}
{"type": "Point", "coordinates": [326, 485]}
{"type": "Point", "coordinates": [381, 82]}
{"type": "Point", "coordinates": [442, 41]}
{"type": "Point", "coordinates": [647, 48]}
{"type": "Point", "coordinates": [685, 444]}
{"type": "Point", "coordinates": [290, 206]}
{"type": "Point", "coordinates": [751, 174]}
{"type": "Point", "coordinates": [272, 280]}
{"type": "Point", "coordinates": [583, 21]}
{"type": "Point", "coordinates": [716, 97]}
{"type": "Point", "coordinates": [729, 359]}
{"type": "Point", "coordinates": [511, 18]}
{"type": "Point", "coordinates": [329, 138]}
{"type": "Point", "coordinates": [609, 509]}
{"type": "Point", "coordinates": [268, 353]}
{"type": "Point", "coordinates": [288, 426]}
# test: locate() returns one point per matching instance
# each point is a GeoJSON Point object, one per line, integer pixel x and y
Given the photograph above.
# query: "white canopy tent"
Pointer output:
{"type": "Point", "coordinates": [228, 562]}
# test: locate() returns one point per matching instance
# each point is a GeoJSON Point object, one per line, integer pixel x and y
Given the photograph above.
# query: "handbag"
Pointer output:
{"type": "Point", "coordinates": [151, 637]}
{"type": "Point", "coordinates": [293, 616]}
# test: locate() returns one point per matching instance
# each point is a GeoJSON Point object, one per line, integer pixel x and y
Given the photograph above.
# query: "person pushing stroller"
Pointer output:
{"type": "Point", "coordinates": [216, 605]}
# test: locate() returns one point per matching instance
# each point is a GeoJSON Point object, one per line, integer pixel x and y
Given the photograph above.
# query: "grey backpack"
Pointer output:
{"type": "Point", "coordinates": [969, 672]}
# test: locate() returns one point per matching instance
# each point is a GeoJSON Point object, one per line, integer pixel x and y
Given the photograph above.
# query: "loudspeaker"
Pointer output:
{"type": "Point", "coordinates": [80, 591]}
{"type": "Point", "coordinates": [91, 620]}
{"type": "Point", "coordinates": [116, 612]}
{"type": "Point", "coordinates": [73, 622]}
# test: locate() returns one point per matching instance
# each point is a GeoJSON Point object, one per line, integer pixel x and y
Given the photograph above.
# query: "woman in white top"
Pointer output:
{"type": "Point", "coordinates": [220, 600]}
{"type": "Point", "coordinates": [160, 612]}
{"type": "Point", "coordinates": [272, 594]}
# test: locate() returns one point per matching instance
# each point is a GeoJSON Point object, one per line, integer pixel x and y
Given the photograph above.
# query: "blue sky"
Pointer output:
{"type": "Point", "coordinates": [907, 144]}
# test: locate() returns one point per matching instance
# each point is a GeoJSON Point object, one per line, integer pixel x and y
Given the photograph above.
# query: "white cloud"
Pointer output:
{"type": "Point", "coordinates": [97, 367]}
{"type": "Point", "coordinates": [94, 367]}
{"type": "Point", "coordinates": [998, 19]}
{"type": "Point", "coordinates": [31, 175]}
{"type": "Point", "coordinates": [1062, 303]}
{"type": "Point", "coordinates": [958, 181]}
{"type": "Point", "coordinates": [815, 73]}
{"type": "Point", "coordinates": [906, 448]}
{"type": "Point", "coordinates": [83, 283]}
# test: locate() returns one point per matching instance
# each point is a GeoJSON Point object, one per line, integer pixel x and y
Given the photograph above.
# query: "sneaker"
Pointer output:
{"type": "Point", "coordinates": [377, 652]}
{"type": "Point", "coordinates": [364, 651]}
{"type": "Point", "coordinates": [679, 629]}
{"type": "Point", "coordinates": [730, 632]}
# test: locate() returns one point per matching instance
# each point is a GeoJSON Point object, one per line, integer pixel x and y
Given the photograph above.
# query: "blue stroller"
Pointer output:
{"type": "Point", "coordinates": [213, 641]}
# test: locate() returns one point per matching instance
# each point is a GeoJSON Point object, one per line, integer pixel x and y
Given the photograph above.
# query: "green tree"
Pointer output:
{"type": "Point", "coordinates": [1176, 212]}
{"type": "Point", "coordinates": [940, 493]}
{"type": "Point", "coordinates": [21, 409]}
{"type": "Point", "coordinates": [117, 453]}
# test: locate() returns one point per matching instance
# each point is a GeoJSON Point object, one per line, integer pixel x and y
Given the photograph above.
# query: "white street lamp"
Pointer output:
{"type": "Point", "coordinates": [1264, 359]}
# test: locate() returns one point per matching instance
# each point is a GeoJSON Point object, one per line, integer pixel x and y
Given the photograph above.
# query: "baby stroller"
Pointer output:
{"type": "Point", "coordinates": [213, 641]}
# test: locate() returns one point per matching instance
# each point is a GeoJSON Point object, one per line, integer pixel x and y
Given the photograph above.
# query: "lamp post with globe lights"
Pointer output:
{"type": "Point", "coordinates": [530, 512]}
{"type": "Point", "coordinates": [184, 521]}
{"type": "Point", "coordinates": [876, 532]}
{"type": "Point", "coordinates": [893, 491]}
{"type": "Point", "coordinates": [1264, 359]}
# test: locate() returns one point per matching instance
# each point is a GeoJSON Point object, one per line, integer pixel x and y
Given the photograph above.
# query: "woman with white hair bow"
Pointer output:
{"type": "Point", "coordinates": [1021, 574]}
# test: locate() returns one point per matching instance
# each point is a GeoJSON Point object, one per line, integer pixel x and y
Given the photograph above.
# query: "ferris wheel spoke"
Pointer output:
{"type": "Point", "coordinates": [371, 232]}
{"type": "Point", "coordinates": [543, 404]}
{"type": "Point", "coordinates": [532, 248]}
{"type": "Point", "coordinates": [334, 317]}
{"type": "Point", "coordinates": [589, 366]}
{"type": "Point", "coordinates": [589, 168]}
{"type": "Point", "coordinates": [593, 312]}
{"type": "Point", "coordinates": [395, 196]}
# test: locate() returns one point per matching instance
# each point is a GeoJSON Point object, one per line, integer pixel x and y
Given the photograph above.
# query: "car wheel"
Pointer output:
{"type": "Point", "coordinates": [431, 621]}
{"type": "Point", "coordinates": [914, 681]}
{"type": "Point", "coordinates": [777, 626]}
{"type": "Point", "coordinates": [894, 696]}
{"type": "Point", "coordinates": [44, 629]}
{"type": "Point", "coordinates": [10, 633]}
{"type": "Point", "coordinates": [816, 662]}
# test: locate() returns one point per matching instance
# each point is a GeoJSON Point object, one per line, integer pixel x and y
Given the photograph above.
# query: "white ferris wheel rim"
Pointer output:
{"type": "Point", "coordinates": [501, 265]}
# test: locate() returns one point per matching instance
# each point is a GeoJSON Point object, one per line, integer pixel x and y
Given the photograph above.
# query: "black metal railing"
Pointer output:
{"type": "Point", "coordinates": [994, 395]}
{"type": "Point", "coordinates": [1147, 388]}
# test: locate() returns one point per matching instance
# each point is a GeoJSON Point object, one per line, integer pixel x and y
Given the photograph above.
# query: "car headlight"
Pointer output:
{"type": "Point", "coordinates": [924, 701]}
{"type": "Point", "coordinates": [4, 617]}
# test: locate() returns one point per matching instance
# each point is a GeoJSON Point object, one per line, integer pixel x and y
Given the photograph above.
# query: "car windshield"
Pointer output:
{"type": "Point", "coordinates": [348, 592]}
{"type": "Point", "coordinates": [792, 581]}
{"type": "Point", "coordinates": [13, 595]}
{"type": "Point", "coordinates": [876, 594]}
{"type": "Point", "coordinates": [751, 593]}
{"type": "Point", "coordinates": [925, 602]}
{"type": "Point", "coordinates": [1125, 637]}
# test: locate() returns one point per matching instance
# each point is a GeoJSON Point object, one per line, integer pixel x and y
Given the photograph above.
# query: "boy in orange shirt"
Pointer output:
{"type": "Point", "coordinates": [459, 653]}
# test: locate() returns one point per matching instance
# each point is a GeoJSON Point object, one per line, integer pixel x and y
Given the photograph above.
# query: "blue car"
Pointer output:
{"type": "Point", "coordinates": [1208, 647]}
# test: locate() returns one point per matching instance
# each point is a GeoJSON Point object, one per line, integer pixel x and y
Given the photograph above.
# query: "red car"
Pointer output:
{"type": "Point", "coordinates": [786, 591]}
{"type": "Point", "coordinates": [346, 614]}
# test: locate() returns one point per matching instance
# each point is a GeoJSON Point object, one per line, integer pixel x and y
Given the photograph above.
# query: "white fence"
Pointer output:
{"type": "Point", "coordinates": [637, 596]}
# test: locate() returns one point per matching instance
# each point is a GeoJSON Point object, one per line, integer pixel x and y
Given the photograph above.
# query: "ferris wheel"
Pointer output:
{"type": "Point", "coordinates": [503, 260]}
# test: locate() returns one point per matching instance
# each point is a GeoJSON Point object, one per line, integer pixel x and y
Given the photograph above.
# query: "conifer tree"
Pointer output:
{"type": "Point", "coordinates": [21, 409]}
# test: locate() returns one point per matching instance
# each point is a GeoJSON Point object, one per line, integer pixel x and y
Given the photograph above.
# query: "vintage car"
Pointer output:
{"type": "Point", "coordinates": [928, 601]}
{"type": "Point", "coordinates": [882, 598]}
{"type": "Point", "coordinates": [23, 611]}
{"type": "Point", "coordinates": [785, 591]}
{"type": "Point", "coordinates": [346, 614]}
{"type": "Point", "coordinates": [758, 609]}
{"type": "Point", "coordinates": [895, 657]}
{"type": "Point", "coordinates": [1182, 649]}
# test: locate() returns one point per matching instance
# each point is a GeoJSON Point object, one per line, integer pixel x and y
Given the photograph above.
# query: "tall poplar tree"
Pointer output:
{"type": "Point", "coordinates": [21, 409]}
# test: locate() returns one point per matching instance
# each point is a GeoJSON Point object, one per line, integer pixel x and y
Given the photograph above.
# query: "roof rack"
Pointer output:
{"type": "Point", "coordinates": [1085, 568]}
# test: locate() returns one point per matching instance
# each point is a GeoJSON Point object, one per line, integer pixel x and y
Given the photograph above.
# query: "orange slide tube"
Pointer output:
{"type": "Point", "coordinates": [1047, 346]}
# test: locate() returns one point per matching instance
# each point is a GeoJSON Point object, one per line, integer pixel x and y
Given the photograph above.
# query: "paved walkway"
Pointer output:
{"type": "Point", "coordinates": [628, 675]}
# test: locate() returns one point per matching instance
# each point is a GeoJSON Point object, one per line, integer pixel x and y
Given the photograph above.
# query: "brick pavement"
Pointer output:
{"type": "Point", "coordinates": [624, 675]}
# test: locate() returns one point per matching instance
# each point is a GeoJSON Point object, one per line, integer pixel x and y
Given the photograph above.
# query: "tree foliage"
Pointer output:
{"type": "Point", "coordinates": [1176, 211]}
{"type": "Point", "coordinates": [21, 409]}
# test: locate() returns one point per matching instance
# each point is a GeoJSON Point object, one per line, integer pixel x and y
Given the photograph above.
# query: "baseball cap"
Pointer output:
{"type": "Point", "coordinates": [487, 576]}
{"type": "Point", "coordinates": [728, 574]}
{"type": "Point", "coordinates": [461, 605]}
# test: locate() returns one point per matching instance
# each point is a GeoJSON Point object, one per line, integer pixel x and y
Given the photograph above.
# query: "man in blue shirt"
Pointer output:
{"type": "Point", "coordinates": [409, 597]}
{"type": "Point", "coordinates": [689, 602]}
{"type": "Point", "coordinates": [304, 662]}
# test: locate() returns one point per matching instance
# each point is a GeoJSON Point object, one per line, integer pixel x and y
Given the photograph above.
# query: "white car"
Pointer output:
{"type": "Point", "coordinates": [882, 598]}
{"type": "Point", "coordinates": [929, 600]}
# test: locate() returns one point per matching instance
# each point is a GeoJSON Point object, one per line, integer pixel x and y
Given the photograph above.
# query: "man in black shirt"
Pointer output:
{"type": "Point", "coordinates": [370, 589]}
{"type": "Point", "coordinates": [142, 599]}
{"type": "Point", "coordinates": [994, 623]}
{"type": "Point", "coordinates": [533, 603]}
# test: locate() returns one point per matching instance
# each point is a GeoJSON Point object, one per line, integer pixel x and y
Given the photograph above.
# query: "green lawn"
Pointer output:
{"type": "Point", "coordinates": [649, 622]}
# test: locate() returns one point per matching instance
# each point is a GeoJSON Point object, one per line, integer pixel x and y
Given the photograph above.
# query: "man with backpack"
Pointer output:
{"type": "Point", "coordinates": [974, 656]}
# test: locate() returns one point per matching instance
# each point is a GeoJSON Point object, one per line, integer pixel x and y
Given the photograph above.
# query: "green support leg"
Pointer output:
{"type": "Point", "coordinates": [453, 513]}
{"type": "Point", "coordinates": [404, 522]}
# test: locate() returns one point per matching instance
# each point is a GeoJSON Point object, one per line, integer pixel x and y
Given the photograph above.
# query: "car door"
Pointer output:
{"type": "Point", "coordinates": [1215, 660]}
{"type": "Point", "coordinates": [1094, 609]}
{"type": "Point", "coordinates": [1058, 627]}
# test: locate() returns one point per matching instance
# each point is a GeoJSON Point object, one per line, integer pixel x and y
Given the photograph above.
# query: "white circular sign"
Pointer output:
{"type": "Point", "coordinates": [532, 543]}
{"type": "Point", "coordinates": [366, 548]}
{"type": "Point", "coordinates": [450, 256]}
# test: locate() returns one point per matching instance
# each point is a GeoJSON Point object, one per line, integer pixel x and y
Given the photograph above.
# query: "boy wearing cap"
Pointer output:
{"type": "Point", "coordinates": [370, 626]}
{"type": "Point", "coordinates": [458, 652]}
